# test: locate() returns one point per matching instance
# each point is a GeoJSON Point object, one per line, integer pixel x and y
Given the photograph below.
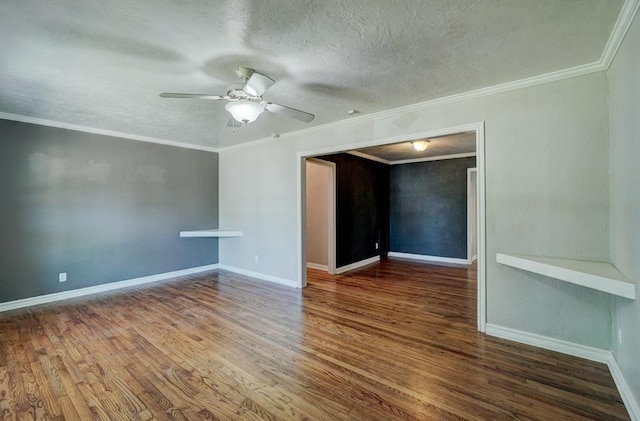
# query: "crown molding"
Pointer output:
{"type": "Point", "coordinates": [434, 158]}
{"type": "Point", "coordinates": [86, 129]}
{"type": "Point", "coordinates": [620, 29]}
{"type": "Point", "coordinates": [253, 143]}
{"type": "Point", "coordinates": [412, 160]}
{"type": "Point", "coordinates": [369, 157]}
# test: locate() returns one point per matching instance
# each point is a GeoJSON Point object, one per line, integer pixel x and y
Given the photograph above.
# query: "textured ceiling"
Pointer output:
{"type": "Point", "coordinates": [454, 144]}
{"type": "Point", "coordinates": [103, 63]}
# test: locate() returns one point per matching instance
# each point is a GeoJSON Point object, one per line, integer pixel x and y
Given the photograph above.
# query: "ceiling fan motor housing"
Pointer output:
{"type": "Point", "coordinates": [236, 94]}
{"type": "Point", "coordinates": [244, 72]}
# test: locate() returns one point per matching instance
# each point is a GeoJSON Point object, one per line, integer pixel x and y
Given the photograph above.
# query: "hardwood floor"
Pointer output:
{"type": "Point", "coordinates": [395, 340]}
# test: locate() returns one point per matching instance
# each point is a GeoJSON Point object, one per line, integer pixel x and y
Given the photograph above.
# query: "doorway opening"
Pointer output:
{"type": "Point", "coordinates": [477, 130]}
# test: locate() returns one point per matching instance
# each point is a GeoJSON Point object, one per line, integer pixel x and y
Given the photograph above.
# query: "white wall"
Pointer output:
{"type": "Point", "coordinates": [547, 194]}
{"type": "Point", "coordinates": [624, 129]}
{"type": "Point", "coordinates": [318, 179]}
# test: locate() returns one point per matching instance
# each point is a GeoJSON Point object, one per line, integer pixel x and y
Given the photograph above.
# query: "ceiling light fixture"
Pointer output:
{"type": "Point", "coordinates": [420, 145]}
{"type": "Point", "coordinates": [244, 111]}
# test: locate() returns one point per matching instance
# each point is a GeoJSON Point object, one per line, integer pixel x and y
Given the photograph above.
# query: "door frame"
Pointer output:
{"type": "Point", "coordinates": [470, 233]}
{"type": "Point", "coordinates": [479, 130]}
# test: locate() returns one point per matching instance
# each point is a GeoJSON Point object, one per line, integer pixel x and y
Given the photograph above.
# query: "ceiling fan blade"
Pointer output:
{"type": "Point", "coordinates": [258, 84]}
{"type": "Point", "coordinates": [289, 112]}
{"type": "Point", "coordinates": [200, 96]}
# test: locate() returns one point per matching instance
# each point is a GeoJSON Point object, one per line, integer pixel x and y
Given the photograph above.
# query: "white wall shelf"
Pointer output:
{"type": "Point", "coordinates": [596, 275]}
{"type": "Point", "coordinates": [211, 233]}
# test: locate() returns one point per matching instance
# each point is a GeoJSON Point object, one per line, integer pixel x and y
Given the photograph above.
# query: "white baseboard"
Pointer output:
{"type": "Point", "coordinates": [357, 265]}
{"type": "Point", "coordinates": [626, 393]}
{"type": "Point", "coordinates": [262, 276]}
{"type": "Point", "coordinates": [425, 258]}
{"type": "Point", "coordinates": [80, 292]}
{"type": "Point", "coordinates": [577, 350]}
{"type": "Point", "coordinates": [552, 344]}
{"type": "Point", "coordinates": [317, 266]}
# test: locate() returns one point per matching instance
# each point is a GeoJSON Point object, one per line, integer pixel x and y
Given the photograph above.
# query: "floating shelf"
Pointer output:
{"type": "Point", "coordinates": [596, 275]}
{"type": "Point", "coordinates": [211, 233]}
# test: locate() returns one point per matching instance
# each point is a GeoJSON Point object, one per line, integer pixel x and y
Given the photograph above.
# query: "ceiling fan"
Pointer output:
{"type": "Point", "coordinates": [245, 102]}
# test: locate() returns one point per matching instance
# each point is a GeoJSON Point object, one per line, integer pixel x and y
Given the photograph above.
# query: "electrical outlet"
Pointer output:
{"type": "Point", "coordinates": [257, 258]}
{"type": "Point", "coordinates": [620, 336]}
{"type": "Point", "coordinates": [377, 245]}
{"type": "Point", "coordinates": [62, 277]}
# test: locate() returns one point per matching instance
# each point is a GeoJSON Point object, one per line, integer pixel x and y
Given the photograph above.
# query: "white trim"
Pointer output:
{"type": "Point", "coordinates": [433, 158]}
{"type": "Point", "coordinates": [331, 241]}
{"type": "Point", "coordinates": [317, 266]}
{"type": "Point", "coordinates": [624, 21]}
{"type": "Point", "coordinates": [596, 275]}
{"type": "Point", "coordinates": [81, 292]}
{"type": "Point", "coordinates": [301, 216]}
{"type": "Point", "coordinates": [262, 276]}
{"type": "Point", "coordinates": [104, 132]}
{"type": "Point", "coordinates": [470, 234]}
{"type": "Point", "coordinates": [481, 235]}
{"type": "Point", "coordinates": [254, 143]}
{"type": "Point", "coordinates": [211, 233]}
{"type": "Point", "coordinates": [624, 389]}
{"type": "Point", "coordinates": [576, 350]}
{"type": "Point", "coordinates": [426, 258]}
{"type": "Point", "coordinates": [357, 265]}
{"type": "Point", "coordinates": [552, 344]}
{"type": "Point", "coordinates": [369, 157]}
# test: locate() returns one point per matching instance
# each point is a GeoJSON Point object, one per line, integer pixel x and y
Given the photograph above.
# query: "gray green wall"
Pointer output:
{"type": "Point", "coordinates": [624, 132]}
{"type": "Point", "coordinates": [102, 209]}
{"type": "Point", "coordinates": [428, 207]}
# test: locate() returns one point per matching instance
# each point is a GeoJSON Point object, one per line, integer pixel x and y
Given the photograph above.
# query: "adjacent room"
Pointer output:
{"type": "Point", "coordinates": [319, 210]}
{"type": "Point", "coordinates": [408, 199]}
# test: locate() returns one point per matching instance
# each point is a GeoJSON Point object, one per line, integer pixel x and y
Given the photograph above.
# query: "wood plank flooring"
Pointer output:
{"type": "Point", "coordinates": [394, 340]}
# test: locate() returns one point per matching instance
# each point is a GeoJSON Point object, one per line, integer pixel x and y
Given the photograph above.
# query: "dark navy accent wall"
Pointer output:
{"type": "Point", "coordinates": [101, 208]}
{"type": "Point", "coordinates": [428, 207]}
{"type": "Point", "coordinates": [362, 208]}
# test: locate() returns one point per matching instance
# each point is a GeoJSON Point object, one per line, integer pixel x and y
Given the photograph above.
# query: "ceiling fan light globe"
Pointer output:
{"type": "Point", "coordinates": [244, 111]}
